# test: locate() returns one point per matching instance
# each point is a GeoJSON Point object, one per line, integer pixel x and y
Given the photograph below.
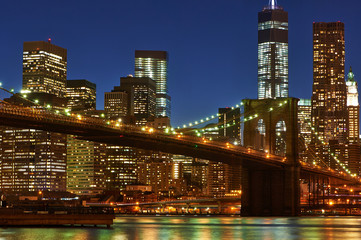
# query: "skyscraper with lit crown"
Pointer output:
{"type": "Point", "coordinates": [353, 109]}
{"type": "Point", "coordinates": [272, 52]}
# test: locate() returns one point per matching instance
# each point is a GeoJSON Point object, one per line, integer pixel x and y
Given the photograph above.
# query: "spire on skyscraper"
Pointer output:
{"type": "Point", "coordinates": [350, 76]}
{"type": "Point", "coordinates": [273, 4]}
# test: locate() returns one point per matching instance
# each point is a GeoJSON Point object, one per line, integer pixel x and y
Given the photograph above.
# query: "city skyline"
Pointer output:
{"type": "Point", "coordinates": [188, 39]}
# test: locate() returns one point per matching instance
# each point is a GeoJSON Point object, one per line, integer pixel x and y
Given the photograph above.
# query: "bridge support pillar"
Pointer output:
{"type": "Point", "coordinates": [270, 192]}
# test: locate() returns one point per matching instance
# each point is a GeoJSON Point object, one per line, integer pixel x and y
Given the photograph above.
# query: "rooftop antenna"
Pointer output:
{"type": "Point", "coordinates": [273, 4]}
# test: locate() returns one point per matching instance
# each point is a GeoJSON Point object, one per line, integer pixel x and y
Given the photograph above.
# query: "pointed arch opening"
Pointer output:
{"type": "Point", "coordinates": [261, 135]}
{"type": "Point", "coordinates": [280, 148]}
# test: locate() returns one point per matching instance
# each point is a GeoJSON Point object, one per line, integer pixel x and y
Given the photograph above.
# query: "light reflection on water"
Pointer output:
{"type": "Point", "coordinates": [201, 228]}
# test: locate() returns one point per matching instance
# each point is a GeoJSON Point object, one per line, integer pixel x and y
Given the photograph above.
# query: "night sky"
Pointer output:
{"type": "Point", "coordinates": [212, 44]}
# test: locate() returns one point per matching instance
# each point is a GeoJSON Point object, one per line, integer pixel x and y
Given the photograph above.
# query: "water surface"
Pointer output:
{"type": "Point", "coordinates": [201, 228]}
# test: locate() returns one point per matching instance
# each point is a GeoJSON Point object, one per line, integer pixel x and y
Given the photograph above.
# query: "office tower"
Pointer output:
{"type": "Point", "coordinates": [86, 160]}
{"type": "Point", "coordinates": [44, 68]}
{"type": "Point", "coordinates": [153, 64]}
{"type": "Point", "coordinates": [141, 98]}
{"type": "Point", "coordinates": [329, 109]}
{"type": "Point", "coordinates": [329, 95]}
{"type": "Point", "coordinates": [229, 124]}
{"type": "Point", "coordinates": [86, 164]}
{"type": "Point", "coordinates": [272, 52]}
{"type": "Point", "coordinates": [353, 109]}
{"type": "Point", "coordinates": [81, 95]}
{"type": "Point", "coordinates": [116, 103]}
{"type": "Point", "coordinates": [121, 161]}
{"type": "Point", "coordinates": [33, 160]}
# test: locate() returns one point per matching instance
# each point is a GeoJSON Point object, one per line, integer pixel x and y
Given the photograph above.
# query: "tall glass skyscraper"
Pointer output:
{"type": "Point", "coordinates": [272, 52]}
{"type": "Point", "coordinates": [153, 64]}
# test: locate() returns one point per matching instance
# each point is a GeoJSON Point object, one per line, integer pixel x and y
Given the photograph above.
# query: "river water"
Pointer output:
{"type": "Point", "coordinates": [200, 228]}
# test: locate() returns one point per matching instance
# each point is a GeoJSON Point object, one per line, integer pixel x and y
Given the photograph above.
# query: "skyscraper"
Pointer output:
{"type": "Point", "coordinates": [116, 103]}
{"type": "Point", "coordinates": [141, 98]}
{"type": "Point", "coordinates": [153, 64]}
{"type": "Point", "coordinates": [86, 160]}
{"type": "Point", "coordinates": [329, 109]}
{"type": "Point", "coordinates": [44, 68]}
{"type": "Point", "coordinates": [353, 109]}
{"type": "Point", "coordinates": [35, 160]}
{"type": "Point", "coordinates": [81, 95]}
{"type": "Point", "coordinates": [272, 52]}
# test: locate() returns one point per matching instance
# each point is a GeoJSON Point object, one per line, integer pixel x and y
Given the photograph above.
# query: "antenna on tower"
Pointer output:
{"type": "Point", "coordinates": [273, 4]}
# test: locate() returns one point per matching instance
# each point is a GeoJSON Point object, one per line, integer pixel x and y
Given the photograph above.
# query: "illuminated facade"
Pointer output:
{"type": "Point", "coordinates": [86, 160]}
{"type": "Point", "coordinates": [272, 52]}
{"type": "Point", "coordinates": [44, 68]}
{"type": "Point", "coordinates": [223, 179]}
{"type": "Point", "coordinates": [33, 160]}
{"type": "Point", "coordinates": [304, 120]}
{"type": "Point", "coordinates": [121, 169]}
{"type": "Point", "coordinates": [304, 126]}
{"type": "Point", "coordinates": [31, 164]}
{"type": "Point", "coordinates": [153, 64]}
{"type": "Point", "coordinates": [86, 164]}
{"type": "Point", "coordinates": [116, 103]}
{"type": "Point", "coordinates": [81, 95]}
{"type": "Point", "coordinates": [329, 96]}
{"type": "Point", "coordinates": [329, 109]}
{"type": "Point", "coordinates": [141, 98]}
{"type": "Point", "coordinates": [353, 109]}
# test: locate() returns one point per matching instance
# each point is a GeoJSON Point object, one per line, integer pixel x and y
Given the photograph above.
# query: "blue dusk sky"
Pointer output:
{"type": "Point", "coordinates": [212, 44]}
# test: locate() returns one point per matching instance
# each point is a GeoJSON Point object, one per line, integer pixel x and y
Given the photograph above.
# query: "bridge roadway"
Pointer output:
{"type": "Point", "coordinates": [98, 130]}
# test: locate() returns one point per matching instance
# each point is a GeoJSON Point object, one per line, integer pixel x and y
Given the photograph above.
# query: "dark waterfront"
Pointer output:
{"type": "Point", "coordinates": [202, 228]}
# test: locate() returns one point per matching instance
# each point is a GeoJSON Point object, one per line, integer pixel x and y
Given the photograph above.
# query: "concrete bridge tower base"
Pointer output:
{"type": "Point", "coordinates": [269, 190]}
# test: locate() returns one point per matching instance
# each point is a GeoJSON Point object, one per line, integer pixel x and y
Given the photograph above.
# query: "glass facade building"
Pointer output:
{"type": "Point", "coordinates": [272, 52]}
{"type": "Point", "coordinates": [154, 64]}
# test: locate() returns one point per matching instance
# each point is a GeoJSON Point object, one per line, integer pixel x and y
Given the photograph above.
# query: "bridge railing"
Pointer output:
{"type": "Point", "coordinates": [100, 123]}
